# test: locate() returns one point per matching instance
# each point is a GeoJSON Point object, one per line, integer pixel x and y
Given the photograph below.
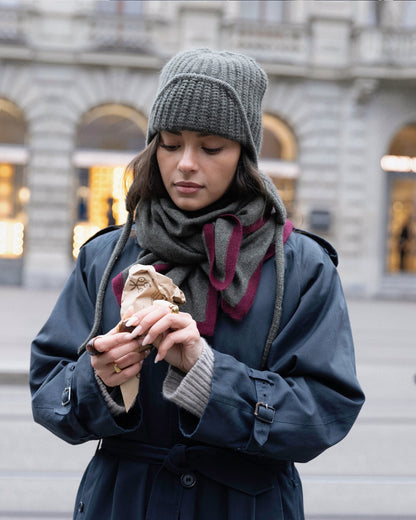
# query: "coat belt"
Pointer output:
{"type": "Point", "coordinates": [183, 465]}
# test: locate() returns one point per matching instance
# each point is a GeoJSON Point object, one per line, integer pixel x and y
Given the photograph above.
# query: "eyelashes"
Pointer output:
{"type": "Point", "coordinates": [169, 148]}
{"type": "Point", "coordinates": [209, 151]}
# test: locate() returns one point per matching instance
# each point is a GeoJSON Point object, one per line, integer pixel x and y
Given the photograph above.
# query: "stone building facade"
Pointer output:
{"type": "Point", "coordinates": [77, 80]}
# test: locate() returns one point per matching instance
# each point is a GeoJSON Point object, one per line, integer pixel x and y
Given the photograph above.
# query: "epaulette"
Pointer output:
{"type": "Point", "coordinates": [326, 246]}
{"type": "Point", "coordinates": [102, 232]}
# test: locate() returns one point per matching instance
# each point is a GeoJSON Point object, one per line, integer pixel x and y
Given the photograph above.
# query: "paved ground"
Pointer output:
{"type": "Point", "coordinates": [370, 475]}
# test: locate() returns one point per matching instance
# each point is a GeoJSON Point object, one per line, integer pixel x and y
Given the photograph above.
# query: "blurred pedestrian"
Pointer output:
{"type": "Point", "coordinates": [404, 244]}
{"type": "Point", "coordinates": [255, 372]}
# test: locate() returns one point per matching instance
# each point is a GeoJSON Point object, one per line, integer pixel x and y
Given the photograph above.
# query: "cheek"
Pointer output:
{"type": "Point", "coordinates": [232, 168]}
{"type": "Point", "coordinates": [163, 167]}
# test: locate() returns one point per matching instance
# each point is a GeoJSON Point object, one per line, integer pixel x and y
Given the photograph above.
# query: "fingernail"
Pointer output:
{"type": "Point", "coordinates": [132, 321]}
{"type": "Point", "coordinates": [146, 340]}
{"type": "Point", "coordinates": [157, 358]}
{"type": "Point", "coordinates": [137, 331]}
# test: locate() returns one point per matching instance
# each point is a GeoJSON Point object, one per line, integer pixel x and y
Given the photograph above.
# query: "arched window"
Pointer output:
{"type": "Point", "coordinates": [278, 158]}
{"type": "Point", "coordinates": [400, 165]}
{"type": "Point", "coordinates": [13, 192]}
{"type": "Point", "coordinates": [108, 137]}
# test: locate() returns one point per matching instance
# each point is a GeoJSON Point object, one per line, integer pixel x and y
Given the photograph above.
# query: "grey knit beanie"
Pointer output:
{"type": "Point", "coordinates": [214, 92]}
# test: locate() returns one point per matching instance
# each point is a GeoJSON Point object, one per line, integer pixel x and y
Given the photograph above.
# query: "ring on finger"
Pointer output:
{"type": "Point", "coordinates": [174, 308]}
{"type": "Point", "coordinates": [117, 369]}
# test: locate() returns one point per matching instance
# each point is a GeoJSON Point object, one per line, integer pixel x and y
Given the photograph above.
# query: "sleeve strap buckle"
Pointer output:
{"type": "Point", "coordinates": [264, 413]}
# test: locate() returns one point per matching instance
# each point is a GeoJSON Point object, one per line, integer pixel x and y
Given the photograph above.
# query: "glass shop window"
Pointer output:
{"type": "Point", "coordinates": [400, 165]}
{"type": "Point", "coordinates": [401, 255]}
{"type": "Point", "coordinates": [108, 138]}
{"type": "Point", "coordinates": [14, 193]}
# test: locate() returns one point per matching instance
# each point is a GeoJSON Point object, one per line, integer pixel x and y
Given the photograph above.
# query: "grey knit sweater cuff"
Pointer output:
{"type": "Point", "coordinates": [191, 391]}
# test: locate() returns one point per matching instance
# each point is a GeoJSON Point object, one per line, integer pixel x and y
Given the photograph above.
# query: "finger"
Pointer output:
{"type": "Point", "coordinates": [129, 313]}
{"type": "Point", "coordinates": [115, 353]}
{"type": "Point", "coordinates": [185, 337]}
{"type": "Point", "coordinates": [147, 318]}
{"type": "Point", "coordinates": [131, 358]}
{"type": "Point", "coordinates": [163, 325]}
{"type": "Point", "coordinates": [109, 341]}
{"type": "Point", "coordinates": [112, 378]}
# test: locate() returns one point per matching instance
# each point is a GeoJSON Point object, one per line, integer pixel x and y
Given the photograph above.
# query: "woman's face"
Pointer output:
{"type": "Point", "coordinates": [196, 169]}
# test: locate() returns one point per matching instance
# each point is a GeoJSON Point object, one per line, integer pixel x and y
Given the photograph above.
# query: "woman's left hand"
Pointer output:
{"type": "Point", "coordinates": [175, 335]}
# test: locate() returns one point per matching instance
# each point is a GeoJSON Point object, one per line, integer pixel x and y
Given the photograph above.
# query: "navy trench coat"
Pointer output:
{"type": "Point", "coordinates": [236, 461]}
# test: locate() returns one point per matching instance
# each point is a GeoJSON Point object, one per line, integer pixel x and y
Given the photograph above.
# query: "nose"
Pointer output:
{"type": "Point", "coordinates": [188, 161]}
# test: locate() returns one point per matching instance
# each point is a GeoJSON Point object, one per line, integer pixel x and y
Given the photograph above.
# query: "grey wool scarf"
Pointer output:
{"type": "Point", "coordinates": [212, 255]}
{"type": "Point", "coordinates": [215, 255]}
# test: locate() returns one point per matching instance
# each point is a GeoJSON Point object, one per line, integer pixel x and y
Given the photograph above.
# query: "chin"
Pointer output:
{"type": "Point", "coordinates": [189, 205]}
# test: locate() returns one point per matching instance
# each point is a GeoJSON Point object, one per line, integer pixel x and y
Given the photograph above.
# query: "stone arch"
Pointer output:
{"type": "Point", "coordinates": [285, 145]}
{"type": "Point", "coordinates": [287, 102]}
{"type": "Point", "coordinates": [17, 86]}
{"type": "Point", "coordinates": [134, 90]}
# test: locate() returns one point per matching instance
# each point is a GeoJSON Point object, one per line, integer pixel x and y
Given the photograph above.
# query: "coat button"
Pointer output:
{"type": "Point", "coordinates": [81, 507]}
{"type": "Point", "coordinates": [188, 480]}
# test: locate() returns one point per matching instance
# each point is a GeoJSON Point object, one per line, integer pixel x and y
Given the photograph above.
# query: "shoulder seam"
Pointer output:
{"type": "Point", "coordinates": [324, 244]}
{"type": "Point", "coordinates": [103, 231]}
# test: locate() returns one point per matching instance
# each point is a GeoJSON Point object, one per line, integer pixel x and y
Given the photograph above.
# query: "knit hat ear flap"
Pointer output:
{"type": "Point", "coordinates": [212, 92]}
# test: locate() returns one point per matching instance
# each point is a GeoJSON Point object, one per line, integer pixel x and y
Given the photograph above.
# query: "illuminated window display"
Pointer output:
{"type": "Point", "coordinates": [108, 138]}
{"type": "Point", "coordinates": [402, 226]}
{"type": "Point", "coordinates": [400, 165]}
{"type": "Point", "coordinates": [13, 193]}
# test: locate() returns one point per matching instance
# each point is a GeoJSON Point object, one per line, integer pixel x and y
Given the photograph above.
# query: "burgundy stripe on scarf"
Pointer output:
{"type": "Point", "coordinates": [207, 327]}
{"type": "Point", "coordinates": [232, 253]}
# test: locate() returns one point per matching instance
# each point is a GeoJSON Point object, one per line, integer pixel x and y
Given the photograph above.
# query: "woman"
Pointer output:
{"type": "Point", "coordinates": [254, 373]}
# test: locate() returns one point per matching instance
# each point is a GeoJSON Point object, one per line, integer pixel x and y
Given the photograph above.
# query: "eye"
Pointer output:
{"type": "Point", "coordinates": [213, 151]}
{"type": "Point", "coordinates": [169, 147]}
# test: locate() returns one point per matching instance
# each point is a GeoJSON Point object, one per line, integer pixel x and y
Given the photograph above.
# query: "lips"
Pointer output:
{"type": "Point", "coordinates": [187, 187]}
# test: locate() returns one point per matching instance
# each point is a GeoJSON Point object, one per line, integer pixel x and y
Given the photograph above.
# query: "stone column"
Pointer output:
{"type": "Point", "coordinates": [47, 260]}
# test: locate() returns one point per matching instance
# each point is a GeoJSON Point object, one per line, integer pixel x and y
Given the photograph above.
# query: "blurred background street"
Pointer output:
{"type": "Point", "coordinates": [369, 475]}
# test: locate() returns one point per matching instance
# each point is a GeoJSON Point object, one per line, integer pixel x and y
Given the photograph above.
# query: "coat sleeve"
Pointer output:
{"type": "Point", "coordinates": [65, 395]}
{"type": "Point", "coordinates": [309, 397]}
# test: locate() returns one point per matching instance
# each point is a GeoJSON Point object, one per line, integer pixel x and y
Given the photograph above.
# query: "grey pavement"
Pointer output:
{"type": "Point", "coordinates": [370, 474]}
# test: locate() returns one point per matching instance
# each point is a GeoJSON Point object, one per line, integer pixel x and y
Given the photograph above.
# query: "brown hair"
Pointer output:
{"type": "Point", "coordinates": [147, 182]}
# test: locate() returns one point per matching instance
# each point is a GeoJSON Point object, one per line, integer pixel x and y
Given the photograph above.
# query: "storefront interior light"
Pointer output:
{"type": "Point", "coordinates": [82, 232]}
{"type": "Point", "coordinates": [398, 163]}
{"type": "Point", "coordinates": [105, 198]}
{"type": "Point", "coordinates": [11, 238]}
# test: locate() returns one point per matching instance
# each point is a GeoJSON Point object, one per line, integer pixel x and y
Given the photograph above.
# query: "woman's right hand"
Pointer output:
{"type": "Point", "coordinates": [118, 350]}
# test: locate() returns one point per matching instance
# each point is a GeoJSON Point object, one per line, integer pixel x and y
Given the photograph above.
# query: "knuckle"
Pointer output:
{"type": "Point", "coordinates": [112, 356]}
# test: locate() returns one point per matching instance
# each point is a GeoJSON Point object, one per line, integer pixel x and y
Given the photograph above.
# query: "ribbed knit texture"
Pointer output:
{"type": "Point", "coordinates": [213, 92]}
{"type": "Point", "coordinates": [191, 391]}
